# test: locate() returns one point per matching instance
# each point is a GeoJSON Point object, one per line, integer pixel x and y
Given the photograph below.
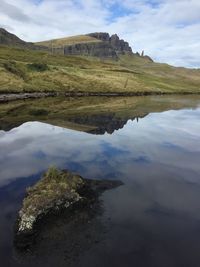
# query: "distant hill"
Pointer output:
{"type": "Point", "coordinates": [9, 39]}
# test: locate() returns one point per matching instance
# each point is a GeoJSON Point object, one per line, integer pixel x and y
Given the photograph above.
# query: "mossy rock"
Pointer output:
{"type": "Point", "coordinates": [55, 191]}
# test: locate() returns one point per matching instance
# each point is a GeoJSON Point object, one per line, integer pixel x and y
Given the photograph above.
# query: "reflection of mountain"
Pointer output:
{"type": "Point", "coordinates": [103, 123]}
{"type": "Point", "coordinates": [95, 115]}
{"type": "Point", "coordinates": [98, 124]}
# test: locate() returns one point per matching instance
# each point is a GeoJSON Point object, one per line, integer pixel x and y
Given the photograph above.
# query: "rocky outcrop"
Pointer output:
{"type": "Point", "coordinates": [119, 45]}
{"type": "Point", "coordinates": [99, 49]}
{"type": "Point", "coordinates": [103, 36]}
{"type": "Point", "coordinates": [55, 192]}
{"type": "Point", "coordinates": [109, 47]}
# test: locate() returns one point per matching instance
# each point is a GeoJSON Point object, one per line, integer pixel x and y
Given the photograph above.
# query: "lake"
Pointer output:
{"type": "Point", "coordinates": [151, 144]}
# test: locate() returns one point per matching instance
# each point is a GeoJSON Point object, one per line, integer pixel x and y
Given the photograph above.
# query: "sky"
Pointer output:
{"type": "Point", "coordinates": [167, 30]}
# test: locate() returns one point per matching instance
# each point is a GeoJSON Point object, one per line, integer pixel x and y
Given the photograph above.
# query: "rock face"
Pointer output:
{"type": "Point", "coordinates": [119, 45]}
{"type": "Point", "coordinates": [56, 191]}
{"type": "Point", "coordinates": [109, 47]}
{"type": "Point", "coordinates": [100, 49]}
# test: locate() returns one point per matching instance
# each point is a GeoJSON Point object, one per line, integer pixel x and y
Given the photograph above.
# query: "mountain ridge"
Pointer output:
{"type": "Point", "coordinates": [98, 44]}
{"type": "Point", "coordinates": [10, 39]}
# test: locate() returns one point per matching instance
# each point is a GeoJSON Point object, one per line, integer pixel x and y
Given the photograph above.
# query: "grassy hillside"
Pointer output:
{"type": "Point", "coordinates": [36, 71]}
{"type": "Point", "coordinates": [69, 41]}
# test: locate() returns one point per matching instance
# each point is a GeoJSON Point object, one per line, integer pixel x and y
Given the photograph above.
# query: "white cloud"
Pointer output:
{"type": "Point", "coordinates": [168, 30]}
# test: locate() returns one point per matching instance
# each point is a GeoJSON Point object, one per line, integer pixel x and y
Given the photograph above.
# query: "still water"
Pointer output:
{"type": "Point", "coordinates": [152, 220]}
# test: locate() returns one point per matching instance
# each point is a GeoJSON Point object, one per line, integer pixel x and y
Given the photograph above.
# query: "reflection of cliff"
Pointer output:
{"type": "Point", "coordinates": [104, 123]}
{"type": "Point", "coordinates": [95, 115]}
{"type": "Point", "coordinates": [98, 124]}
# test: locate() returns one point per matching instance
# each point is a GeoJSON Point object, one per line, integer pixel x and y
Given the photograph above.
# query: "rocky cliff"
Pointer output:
{"type": "Point", "coordinates": [109, 47]}
{"type": "Point", "coordinates": [119, 45]}
{"type": "Point", "coordinates": [100, 49]}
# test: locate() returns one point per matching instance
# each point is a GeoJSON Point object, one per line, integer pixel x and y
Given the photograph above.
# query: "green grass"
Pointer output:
{"type": "Point", "coordinates": [131, 74]}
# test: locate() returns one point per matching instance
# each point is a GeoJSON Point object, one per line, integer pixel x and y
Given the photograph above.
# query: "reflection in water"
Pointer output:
{"type": "Point", "coordinates": [102, 123]}
{"type": "Point", "coordinates": [153, 220]}
{"type": "Point", "coordinates": [93, 115]}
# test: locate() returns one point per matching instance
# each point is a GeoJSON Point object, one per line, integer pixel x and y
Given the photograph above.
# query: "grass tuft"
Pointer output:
{"type": "Point", "coordinates": [38, 67]}
{"type": "Point", "coordinates": [14, 68]}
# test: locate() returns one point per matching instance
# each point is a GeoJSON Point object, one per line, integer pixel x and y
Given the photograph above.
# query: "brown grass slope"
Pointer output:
{"type": "Point", "coordinates": [69, 41]}
{"type": "Point", "coordinates": [35, 71]}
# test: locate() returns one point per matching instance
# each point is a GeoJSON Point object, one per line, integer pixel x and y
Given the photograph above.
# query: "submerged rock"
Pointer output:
{"type": "Point", "coordinates": [56, 191]}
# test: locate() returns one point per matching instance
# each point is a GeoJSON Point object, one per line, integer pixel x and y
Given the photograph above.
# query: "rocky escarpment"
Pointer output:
{"type": "Point", "coordinates": [108, 47]}
{"type": "Point", "coordinates": [56, 191]}
{"type": "Point", "coordinates": [100, 49]}
{"type": "Point", "coordinates": [119, 45]}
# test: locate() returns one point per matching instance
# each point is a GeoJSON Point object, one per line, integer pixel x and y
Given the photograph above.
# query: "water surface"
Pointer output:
{"type": "Point", "coordinates": [152, 144]}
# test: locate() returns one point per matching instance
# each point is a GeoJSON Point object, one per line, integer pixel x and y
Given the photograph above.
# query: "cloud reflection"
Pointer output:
{"type": "Point", "coordinates": [160, 139]}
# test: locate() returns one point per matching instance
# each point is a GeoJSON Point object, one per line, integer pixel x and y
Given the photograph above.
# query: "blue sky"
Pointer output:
{"type": "Point", "coordinates": [168, 30]}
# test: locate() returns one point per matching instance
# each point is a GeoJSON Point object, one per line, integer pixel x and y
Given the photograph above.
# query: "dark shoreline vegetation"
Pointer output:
{"type": "Point", "coordinates": [55, 192]}
{"type": "Point", "coordinates": [34, 95]}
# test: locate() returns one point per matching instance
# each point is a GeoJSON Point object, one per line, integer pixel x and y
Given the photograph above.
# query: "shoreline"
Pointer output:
{"type": "Point", "coordinates": [36, 95]}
